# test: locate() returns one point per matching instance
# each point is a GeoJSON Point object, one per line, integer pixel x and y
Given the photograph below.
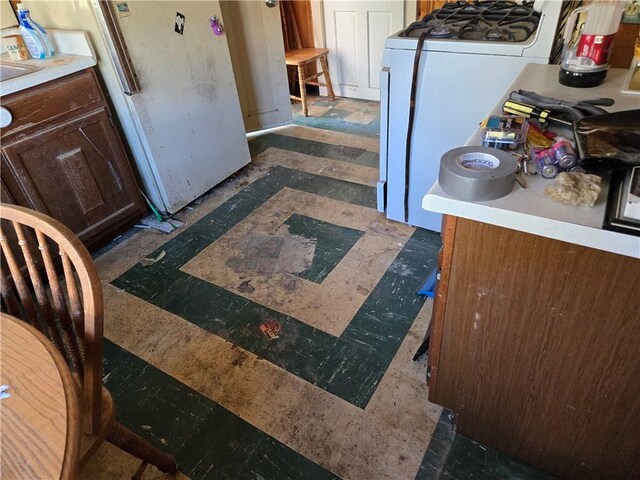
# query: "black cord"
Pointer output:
{"type": "Point", "coordinates": [412, 107]}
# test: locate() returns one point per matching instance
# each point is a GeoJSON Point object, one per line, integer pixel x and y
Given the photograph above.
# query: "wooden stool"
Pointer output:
{"type": "Point", "coordinates": [303, 56]}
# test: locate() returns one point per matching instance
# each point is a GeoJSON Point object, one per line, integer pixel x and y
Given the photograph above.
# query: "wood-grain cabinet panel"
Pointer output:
{"type": "Point", "coordinates": [66, 158]}
{"type": "Point", "coordinates": [75, 171]}
{"type": "Point", "coordinates": [538, 350]}
{"type": "Point", "coordinates": [51, 102]}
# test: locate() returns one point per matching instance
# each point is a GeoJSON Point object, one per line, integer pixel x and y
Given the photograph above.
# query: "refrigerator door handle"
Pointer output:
{"type": "Point", "coordinates": [116, 45]}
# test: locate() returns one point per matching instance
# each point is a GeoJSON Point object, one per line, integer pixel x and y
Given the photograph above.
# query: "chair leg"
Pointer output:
{"type": "Point", "coordinates": [303, 90]}
{"type": "Point", "coordinates": [137, 446]}
{"type": "Point", "coordinates": [327, 78]}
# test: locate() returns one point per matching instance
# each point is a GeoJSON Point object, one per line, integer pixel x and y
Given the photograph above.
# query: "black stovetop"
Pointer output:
{"type": "Point", "coordinates": [497, 21]}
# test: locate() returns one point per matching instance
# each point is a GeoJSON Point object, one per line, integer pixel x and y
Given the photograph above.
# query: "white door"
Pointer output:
{"type": "Point", "coordinates": [257, 55]}
{"type": "Point", "coordinates": [355, 35]}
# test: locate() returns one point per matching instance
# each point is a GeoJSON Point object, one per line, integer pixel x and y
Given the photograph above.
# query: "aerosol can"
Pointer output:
{"type": "Point", "coordinates": [585, 63]}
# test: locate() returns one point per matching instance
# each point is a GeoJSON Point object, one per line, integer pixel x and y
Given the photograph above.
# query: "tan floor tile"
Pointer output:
{"type": "Point", "coordinates": [400, 232]}
{"type": "Point", "coordinates": [354, 105]}
{"type": "Point", "coordinates": [403, 363]}
{"type": "Point", "coordinates": [402, 403]}
{"type": "Point", "coordinates": [319, 166]}
{"type": "Point", "coordinates": [111, 463]}
{"type": "Point", "coordinates": [362, 118]}
{"type": "Point", "coordinates": [316, 425]}
{"type": "Point", "coordinates": [314, 110]}
{"type": "Point", "coordinates": [372, 449]}
{"type": "Point", "coordinates": [329, 136]}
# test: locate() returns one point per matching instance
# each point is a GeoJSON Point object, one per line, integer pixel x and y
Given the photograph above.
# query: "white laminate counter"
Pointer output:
{"type": "Point", "coordinates": [527, 210]}
{"type": "Point", "coordinates": [74, 54]}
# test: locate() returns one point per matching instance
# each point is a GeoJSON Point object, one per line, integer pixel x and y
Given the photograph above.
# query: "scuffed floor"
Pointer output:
{"type": "Point", "coordinates": [293, 239]}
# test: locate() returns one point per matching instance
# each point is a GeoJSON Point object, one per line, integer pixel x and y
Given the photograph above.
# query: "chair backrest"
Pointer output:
{"type": "Point", "coordinates": [49, 280]}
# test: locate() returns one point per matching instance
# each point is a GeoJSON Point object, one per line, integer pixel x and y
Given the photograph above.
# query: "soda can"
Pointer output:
{"type": "Point", "coordinates": [578, 169]}
{"type": "Point", "coordinates": [563, 151]}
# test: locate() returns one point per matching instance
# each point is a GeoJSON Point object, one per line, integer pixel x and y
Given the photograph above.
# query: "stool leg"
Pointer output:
{"type": "Point", "coordinates": [327, 77]}
{"type": "Point", "coordinates": [303, 90]}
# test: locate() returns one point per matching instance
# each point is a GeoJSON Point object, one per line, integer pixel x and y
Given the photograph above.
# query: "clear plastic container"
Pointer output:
{"type": "Point", "coordinates": [505, 132]}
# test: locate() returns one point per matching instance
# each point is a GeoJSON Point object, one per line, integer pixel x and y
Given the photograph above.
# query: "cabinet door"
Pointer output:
{"type": "Point", "coordinates": [76, 172]}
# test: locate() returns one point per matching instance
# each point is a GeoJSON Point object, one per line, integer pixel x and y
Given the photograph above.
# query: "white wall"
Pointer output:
{"type": "Point", "coordinates": [7, 18]}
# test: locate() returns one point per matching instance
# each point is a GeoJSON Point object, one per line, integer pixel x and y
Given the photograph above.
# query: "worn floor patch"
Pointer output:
{"type": "Point", "coordinates": [269, 254]}
{"type": "Point", "coordinates": [304, 256]}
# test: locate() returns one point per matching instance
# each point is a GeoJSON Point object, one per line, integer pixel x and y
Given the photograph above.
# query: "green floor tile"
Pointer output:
{"type": "Point", "coordinates": [451, 456]}
{"type": "Point", "coordinates": [332, 244]}
{"type": "Point", "coordinates": [368, 159]}
{"type": "Point", "coordinates": [308, 147]}
{"type": "Point", "coordinates": [208, 441]}
{"type": "Point", "coordinates": [334, 120]}
{"type": "Point", "coordinates": [244, 452]}
{"type": "Point", "coordinates": [385, 317]}
{"type": "Point", "coordinates": [339, 190]}
{"type": "Point", "coordinates": [256, 147]}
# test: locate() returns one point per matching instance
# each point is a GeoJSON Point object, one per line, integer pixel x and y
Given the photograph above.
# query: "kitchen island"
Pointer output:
{"type": "Point", "coordinates": [535, 339]}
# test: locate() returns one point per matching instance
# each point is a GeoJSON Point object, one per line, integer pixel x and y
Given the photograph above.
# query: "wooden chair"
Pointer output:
{"type": "Point", "coordinates": [49, 280]}
{"type": "Point", "coordinates": [304, 56]}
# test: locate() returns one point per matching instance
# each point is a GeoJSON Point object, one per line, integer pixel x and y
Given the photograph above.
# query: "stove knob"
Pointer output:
{"type": "Point", "coordinates": [5, 117]}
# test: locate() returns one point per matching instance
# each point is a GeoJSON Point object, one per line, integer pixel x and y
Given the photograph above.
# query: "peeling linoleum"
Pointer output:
{"type": "Point", "coordinates": [294, 238]}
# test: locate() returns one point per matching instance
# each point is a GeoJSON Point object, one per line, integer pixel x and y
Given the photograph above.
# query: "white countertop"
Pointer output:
{"type": "Point", "coordinates": [527, 210]}
{"type": "Point", "coordinates": [73, 53]}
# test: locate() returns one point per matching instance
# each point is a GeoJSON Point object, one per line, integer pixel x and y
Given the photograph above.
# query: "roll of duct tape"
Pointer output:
{"type": "Point", "coordinates": [477, 173]}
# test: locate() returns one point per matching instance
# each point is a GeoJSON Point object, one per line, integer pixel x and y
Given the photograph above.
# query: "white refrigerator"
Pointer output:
{"type": "Point", "coordinates": [183, 125]}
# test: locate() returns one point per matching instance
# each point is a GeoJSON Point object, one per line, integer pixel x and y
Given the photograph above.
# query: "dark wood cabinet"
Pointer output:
{"type": "Point", "coordinates": [535, 347]}
{"type": "Point", "coordinates": [63, 156]}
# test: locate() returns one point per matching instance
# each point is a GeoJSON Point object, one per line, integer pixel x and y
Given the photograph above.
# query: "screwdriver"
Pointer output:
{"type": "Point", "coordinates": [531, 111]}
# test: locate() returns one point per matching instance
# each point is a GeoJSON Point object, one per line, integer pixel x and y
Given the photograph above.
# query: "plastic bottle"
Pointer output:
{"type": "Point", "coordinates": [585, 64]}
{"type": "Point", "coordinates": [35, 37]}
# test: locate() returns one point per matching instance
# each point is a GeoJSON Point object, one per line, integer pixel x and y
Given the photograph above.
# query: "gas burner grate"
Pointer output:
{"type": "Point", "coordinates": [497, 21]}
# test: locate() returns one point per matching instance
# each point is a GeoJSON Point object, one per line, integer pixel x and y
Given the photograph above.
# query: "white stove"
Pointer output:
{"type": "Point", "coordinates": [472, 52]}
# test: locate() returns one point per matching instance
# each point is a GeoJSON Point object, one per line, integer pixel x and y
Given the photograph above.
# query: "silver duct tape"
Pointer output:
{"type": "Point", "coordinates": [477, 173]}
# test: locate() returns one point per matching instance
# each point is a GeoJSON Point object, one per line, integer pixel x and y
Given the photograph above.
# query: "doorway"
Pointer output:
{"type": "Point", "coordinates": [355, 36]}
{"type": "Point", "coordinates": [354, 32]}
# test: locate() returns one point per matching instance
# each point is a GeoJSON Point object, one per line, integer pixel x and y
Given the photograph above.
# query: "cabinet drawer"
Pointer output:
{"type": "Point", "coordinates": [53, 100]}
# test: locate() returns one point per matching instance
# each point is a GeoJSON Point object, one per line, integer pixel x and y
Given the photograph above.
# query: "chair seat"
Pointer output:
{"type": "Point", "coordinates": [302, 56]}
